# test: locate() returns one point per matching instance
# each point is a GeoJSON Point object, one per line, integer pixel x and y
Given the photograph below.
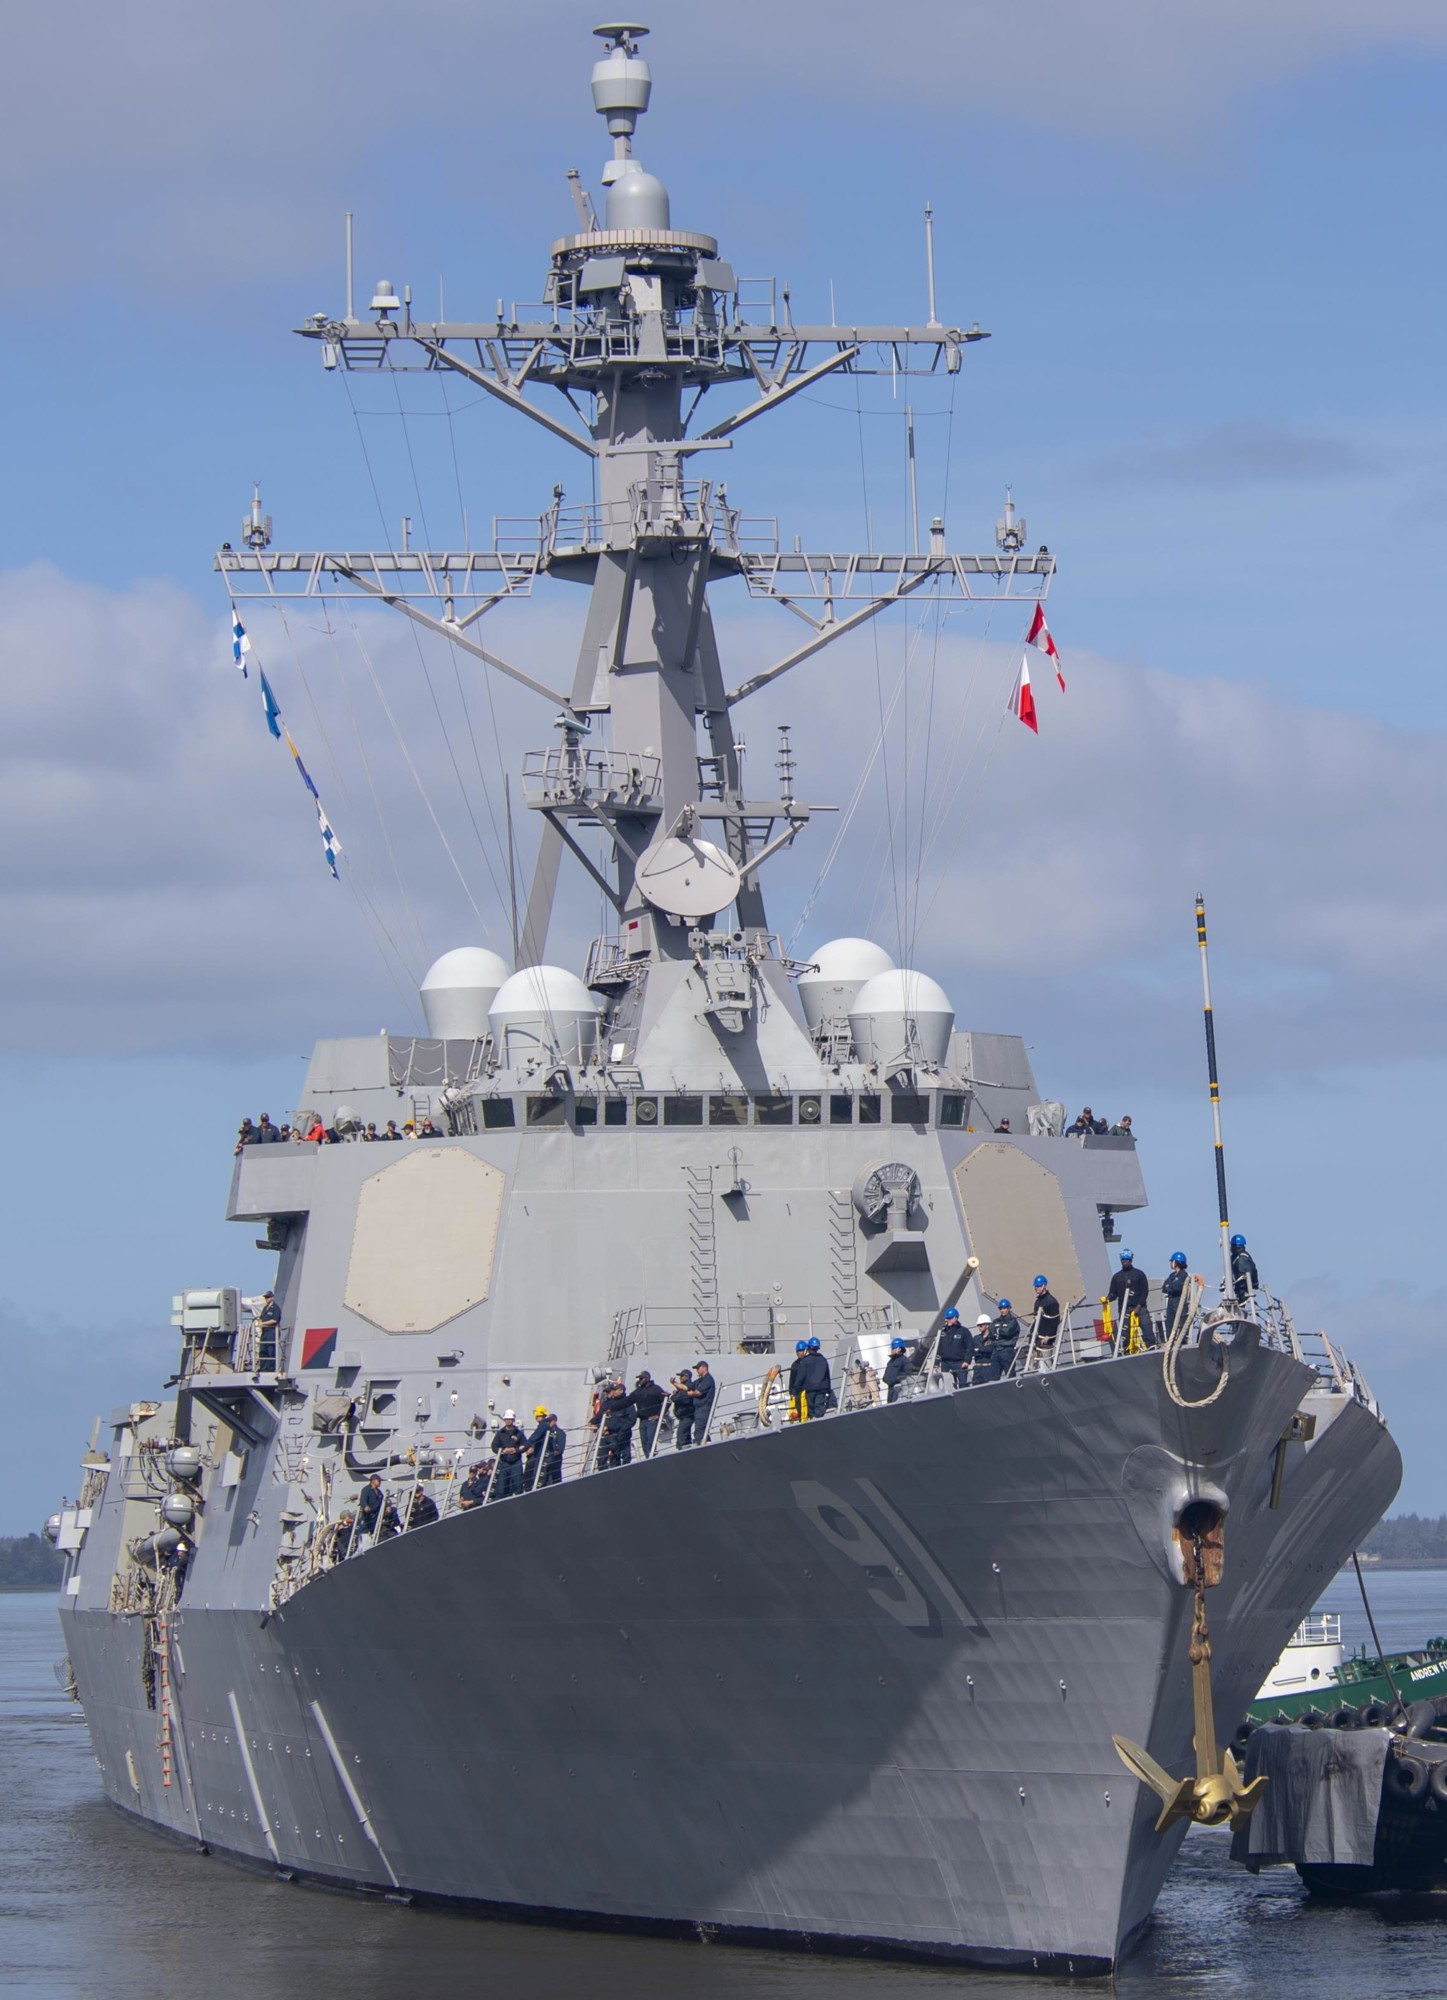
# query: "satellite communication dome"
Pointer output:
{"type": "Point", "coordinates": [544, 1010]}
{"type": "Point", "coordinates": [636, 200]}
{"type": "Point", "coordinates": [458, 991]}
{"type": "Point", "coordinates": [901, 1015]}
{"type": "Point", "coordinates": [840, 969]}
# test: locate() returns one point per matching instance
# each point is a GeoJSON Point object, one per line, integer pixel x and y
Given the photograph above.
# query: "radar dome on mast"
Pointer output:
{"type": "Point", "coordinates": [458, 992]}
{"type": "Point", "coordinates": [544, 1011]}
{"type": "Point", "coordinates": [839, 969]}
{"type": "Point", "coordinates": [622, 85]}
{"type": "Point", "coordinates": [901, 1016]}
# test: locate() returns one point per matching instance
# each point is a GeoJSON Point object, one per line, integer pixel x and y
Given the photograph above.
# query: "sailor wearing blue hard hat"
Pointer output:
{"type": "Point", "coordinates": [815, 1383]}
{"type": "Point", "coordinates": [1047, 1315]}
{"type": "Point", "coordinates": [897, 1369]}
{"type": "Point", "coordinates": [1245, 1277]}
{"type": "Point", "coordinates": [1127, 1294]}
{"type": "Point", "coordinates": [796, 1382]}
{"type": "Point", "coordinates": [1004, 1340]}
{"type": "Point", "coordinates": [956, 1346]}
{"type": "Point", "coordinates": [1174, 1286]}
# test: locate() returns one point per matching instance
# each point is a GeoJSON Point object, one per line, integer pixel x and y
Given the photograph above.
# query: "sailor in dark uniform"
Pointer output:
{"type": "Point", "coordinates": [896, 1369]}
{"type": "Point", "coordinates": [509, 1441]}
{"type": "Point", "coordinates": [796, 1388]}
{"type": "Point", "coordinates": [617, 1417]}
{"type": "Point", "coordinates": [1047, 1315]}
{"type": "Point", "coordinates": [1244, 1275]}
{"type": "Point", "coordinates": [1174, 1286]}
{"type": "Point", "coordinates": [1005, 1341]}
{"type": "Point", "coordinates": [956, 1345]}
{"type": "Point", "coordinates": [682, 1386]}
{"type": "Point", "coordinates": [1127, 1294]}
{"type": "Point", "coordinates": [815, 1380]}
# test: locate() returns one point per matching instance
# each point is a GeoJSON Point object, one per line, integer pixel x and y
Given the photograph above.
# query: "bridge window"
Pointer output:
{"type": "Point", "coordinates": [841, 1109]}
{"type": "Point", "coordinates": [774, 1108]}
{"type": "Point", "coordinates": [952, 1108]}
{"type": "Point", "coordinates": [683, 1111]}
{"type": "Point", "coordinates": [732, 1109]}
{"type": "Point", "coordinates": [497, 1112]}
{"type": "Point", "coordinates": [585, 1111]}
{"type": "Point", "coordinates": [615, 1111]}
{"type": "Point", "coordinates": [907, 1108]}
{"type": "Point", "coordinates": [869, 1109]}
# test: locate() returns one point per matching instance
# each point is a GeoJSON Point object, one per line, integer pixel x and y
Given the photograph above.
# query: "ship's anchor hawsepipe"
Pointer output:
{"type": "Point", "coordinates": [1216, 1794]}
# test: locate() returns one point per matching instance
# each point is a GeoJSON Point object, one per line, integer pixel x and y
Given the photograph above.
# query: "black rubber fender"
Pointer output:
{"type": "Point", "coordinates": [1425, 1715]}
{"type": "Point", "coordinates": [1407, 1779]}
{"type": "Point", "coordinates": [1437, 1781]}
{"type": "Point", "coordinates": [1311, 1718]}
{"type": "Point", "coordinates": [1344, 1717]}
{"type": "Point", "coordinates": [1374, 1715]}
{"type": "Point", "coordinates": [1244, 1734]}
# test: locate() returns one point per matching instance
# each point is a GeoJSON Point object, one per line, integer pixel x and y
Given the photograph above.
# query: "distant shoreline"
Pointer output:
{"type": "Point", "coordinates": [1399, 1562]}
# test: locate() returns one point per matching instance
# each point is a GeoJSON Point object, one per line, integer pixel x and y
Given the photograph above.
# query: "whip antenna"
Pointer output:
{"type": "Point", "coordinates": [1215, 1096]}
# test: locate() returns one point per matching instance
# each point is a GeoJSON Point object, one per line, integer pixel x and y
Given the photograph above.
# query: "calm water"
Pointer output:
{"type": "Point", "coordinates": [92, 1908]}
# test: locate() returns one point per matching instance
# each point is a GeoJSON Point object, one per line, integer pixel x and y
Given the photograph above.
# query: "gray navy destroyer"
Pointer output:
{"type": "Point", "coordinates": [842, 1684]}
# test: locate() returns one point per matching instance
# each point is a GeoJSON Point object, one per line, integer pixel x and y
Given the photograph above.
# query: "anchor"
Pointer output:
{"type": "Point", "coordinates": [1216, 1794]}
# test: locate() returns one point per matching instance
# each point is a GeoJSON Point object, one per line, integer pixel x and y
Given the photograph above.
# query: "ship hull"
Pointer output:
{"type": "Point", "coordinates": [849, 1687]}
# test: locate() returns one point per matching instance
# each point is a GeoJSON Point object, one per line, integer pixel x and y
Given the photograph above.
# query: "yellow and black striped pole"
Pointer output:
{"type": "Point", "coordinates": [1215, 1097]}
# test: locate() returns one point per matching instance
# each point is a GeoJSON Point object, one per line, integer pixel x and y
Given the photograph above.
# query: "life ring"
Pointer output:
{"type": "Point", "coordinates": [1407, 1778]}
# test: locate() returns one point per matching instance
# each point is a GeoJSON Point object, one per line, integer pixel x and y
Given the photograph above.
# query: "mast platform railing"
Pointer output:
{"type": "Point", "coordinates": [565, 775]}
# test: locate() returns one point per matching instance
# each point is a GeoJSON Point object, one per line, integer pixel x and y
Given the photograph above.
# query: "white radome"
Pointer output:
{"type": "Point", "coordinates": [841, 967]}
{"type": "Point", "coordinates": [901, 1015]}
{"type": "Point", "coordinates": [544, 1010]}
{"type": "Point", "coordinates": [458, 991]}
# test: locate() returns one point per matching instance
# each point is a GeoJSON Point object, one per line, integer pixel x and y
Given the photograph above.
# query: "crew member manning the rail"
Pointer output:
{"type": "Point", "coordinates": [1047, 1315]}
{"type": "Point", "coordinates": [1244, 1274]}
{"type": "Point", "coordinates": [705, 1388]}
{"type": "Point", "coordinates": [648, 1400]}
{"type": "Point", "coordinates": [1174, 1286]}
{"type": "Point", "coordinates": [1005, 1329]}
{"type": "Point", "coordinates": [682, 1386]}
{"type": "Point", "coordinates": [984, 1348]}
{"type": "Point", "coordinates": [815, 1379]}
{"type": "Point", "coordinates": [1127, 1294]}
{"type": "Point", "coordinates": [956, 1346]}
{"type": "Point", "coordinates": [509, 1442]}
{"type": "Point", "coordinates": [896, 1369]}
{"type": "Point", "coordinates": [554, 1443]}
{"type": "Point", "coordinates": [796, 1382]}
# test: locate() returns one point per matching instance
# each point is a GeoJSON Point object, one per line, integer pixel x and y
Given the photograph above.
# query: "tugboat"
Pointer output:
{"type": "Point", "coordinates": [1316, 1681]}
{"type": "Point", "coordinates": [843, 1684]}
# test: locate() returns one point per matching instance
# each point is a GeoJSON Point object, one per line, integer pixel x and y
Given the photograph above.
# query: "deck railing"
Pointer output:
{"type": "Point", "coordinates": [857, 1353]}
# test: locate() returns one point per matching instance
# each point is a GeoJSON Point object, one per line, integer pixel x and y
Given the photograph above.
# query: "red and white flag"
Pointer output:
{"type": "Point", "coordinates": [1039, 635]}
{"type": "Point", "coordinates": [1022, 701]}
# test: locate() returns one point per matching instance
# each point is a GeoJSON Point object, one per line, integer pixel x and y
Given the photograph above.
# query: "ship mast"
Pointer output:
{"type": "Point", "coordinates": [640, 321]}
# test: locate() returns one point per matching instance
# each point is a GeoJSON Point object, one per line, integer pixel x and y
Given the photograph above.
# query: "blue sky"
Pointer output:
{"type": "Point", "coordinates": [1206, 243]}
